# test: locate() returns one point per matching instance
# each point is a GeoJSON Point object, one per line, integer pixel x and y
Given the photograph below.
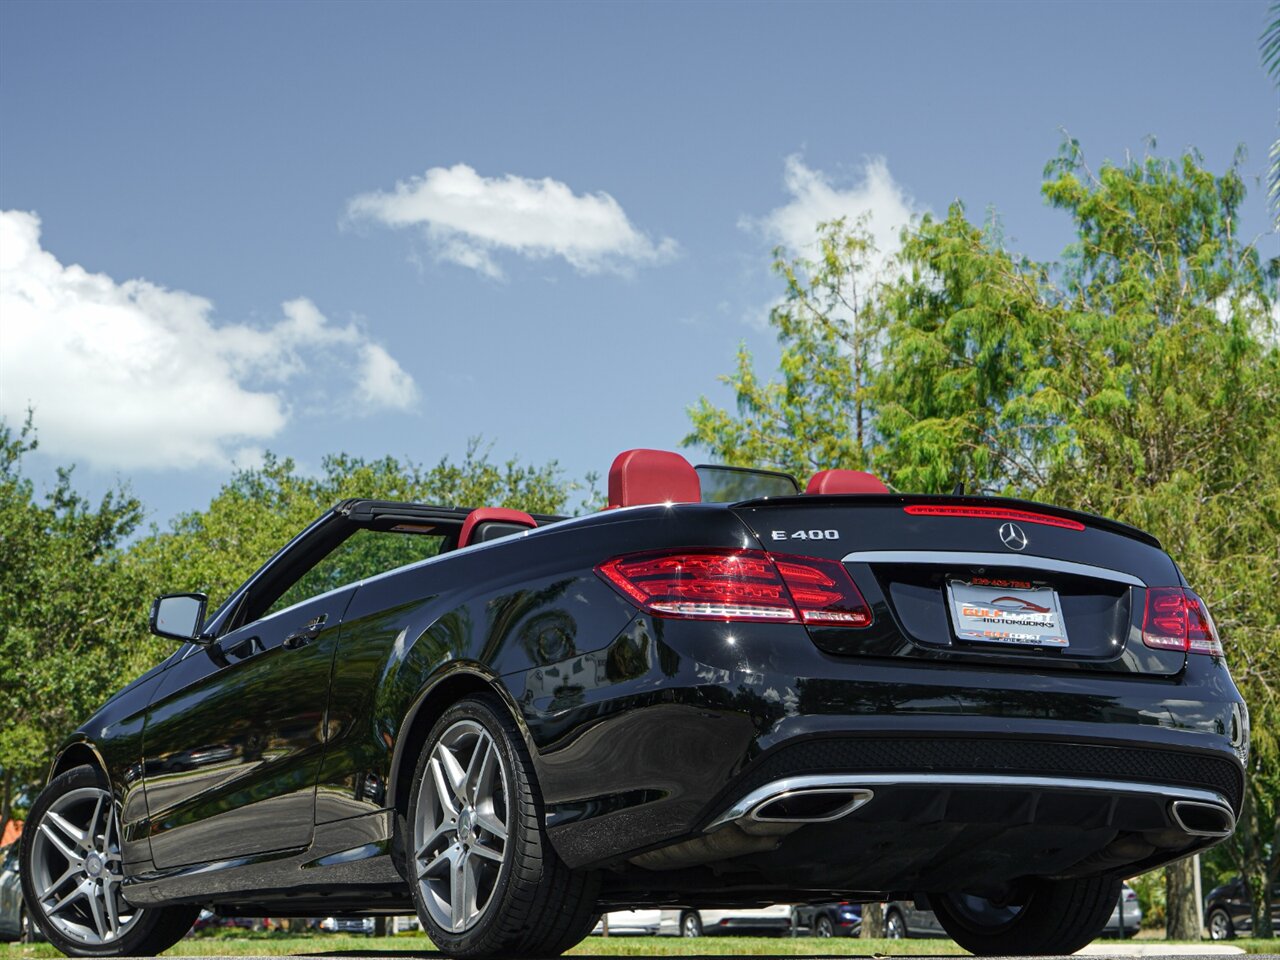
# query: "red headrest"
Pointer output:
{"type": "Point", "coordinates": [845, 481]}
{"type": "Point", "coordinates": [652, 476]}
{"type": "Point", "coordinates": [489, 514]}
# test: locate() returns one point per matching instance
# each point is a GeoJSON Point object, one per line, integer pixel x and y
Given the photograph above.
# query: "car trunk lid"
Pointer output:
{"type": "Point", "coordinates": [980, 579]}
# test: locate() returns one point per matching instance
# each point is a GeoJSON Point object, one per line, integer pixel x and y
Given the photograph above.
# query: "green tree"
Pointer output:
{"type": "Point", "coordinates": [64, 603]}
{"type": "Point", "coordinates": [819, 415]}
{"type": "Point", "coordinates": [961, 392]}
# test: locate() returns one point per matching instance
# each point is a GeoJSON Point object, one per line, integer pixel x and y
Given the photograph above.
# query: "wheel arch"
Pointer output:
{"type": "Point", "coordinates": [76, 754]}
{"type": "Point", "coordinates": [442, 691]}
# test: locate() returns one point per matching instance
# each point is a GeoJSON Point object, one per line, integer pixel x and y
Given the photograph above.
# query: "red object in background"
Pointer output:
{"type": "Point", "coordinates": [12, 831]}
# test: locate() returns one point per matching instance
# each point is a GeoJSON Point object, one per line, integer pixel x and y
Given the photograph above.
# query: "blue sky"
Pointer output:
{"type": "Point", "coordinates": [588, 197]}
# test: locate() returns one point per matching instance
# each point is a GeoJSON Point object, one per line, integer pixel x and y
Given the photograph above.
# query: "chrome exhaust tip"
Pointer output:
{"type": "Point", "coordinates": [795, 803]}
{"type": "Point", "coordinates": [1202, 819]}
{"type": "Point", "coordinates": [809, 805]}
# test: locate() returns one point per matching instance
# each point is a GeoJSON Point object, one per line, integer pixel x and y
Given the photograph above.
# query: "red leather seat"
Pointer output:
{"type": "Point", "coordinates": [652, 476]}
{"type": "Point", "coordinates": [845, 481]}
{"type": "Point", "coordinates": [489, 523]}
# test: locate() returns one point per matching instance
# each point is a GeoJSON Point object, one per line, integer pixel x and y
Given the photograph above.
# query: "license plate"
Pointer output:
{"type": "Point", "coordinates": [1010, 612]}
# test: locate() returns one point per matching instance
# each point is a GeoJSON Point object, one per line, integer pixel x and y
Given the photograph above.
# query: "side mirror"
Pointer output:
{"type": "Point", "coordinates": [178, 616]}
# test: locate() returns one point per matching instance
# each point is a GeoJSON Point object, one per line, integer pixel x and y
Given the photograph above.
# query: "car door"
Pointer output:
{"type": "Point", "coordinates": [235, 737]}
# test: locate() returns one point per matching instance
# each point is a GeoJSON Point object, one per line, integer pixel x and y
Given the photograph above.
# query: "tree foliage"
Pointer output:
{"type": "Point", "coordinates": [259, 510]}
{"type": "Point", "coordinates": [819, 412]}
{"type": "Point", "coordinates": [65, 608]}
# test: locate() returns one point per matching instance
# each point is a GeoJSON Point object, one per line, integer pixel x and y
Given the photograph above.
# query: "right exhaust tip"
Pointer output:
{"type": "Point", "coordinates": [1202, 819]}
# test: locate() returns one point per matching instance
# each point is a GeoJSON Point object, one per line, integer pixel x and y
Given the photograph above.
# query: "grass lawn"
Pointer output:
{"type": "Point", "coordinates": [417, 945]}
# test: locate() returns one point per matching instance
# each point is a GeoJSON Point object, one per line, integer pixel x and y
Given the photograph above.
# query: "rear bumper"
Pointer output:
{"type": "Point", "coordinates": [633, 763]}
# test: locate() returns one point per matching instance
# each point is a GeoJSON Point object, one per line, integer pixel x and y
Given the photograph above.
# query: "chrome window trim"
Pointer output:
{"type": "Point", "coordinates": [975, 559]}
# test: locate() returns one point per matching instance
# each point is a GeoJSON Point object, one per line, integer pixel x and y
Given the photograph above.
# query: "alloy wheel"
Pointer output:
{"type": "Point", "coordinates": [1219, 926]}
{"type": "Point", "coordinates": [461, 825]}
{"type": "Point", "coordinates": [894, 927]}
{"type": "Point", "coordinates": [76, 868]}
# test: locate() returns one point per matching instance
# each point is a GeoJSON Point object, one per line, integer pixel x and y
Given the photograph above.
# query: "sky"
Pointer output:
{"type": "Point", "coordinates": [311, 228]}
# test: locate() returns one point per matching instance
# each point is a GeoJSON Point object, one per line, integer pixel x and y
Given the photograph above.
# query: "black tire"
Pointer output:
{"type": "Point", "coordinates": [690, 924]}
{"type": "Point", "coordinates": [895, 925]}
{"type": "Point", "coordinates": [1220, 925]}
{"type": "Point", "coordinates": [1058, 917]}
{"type": "Point", "coordinates": [823, 927]}
{"type": "Point", "coordinates": [155, 930]}
{"type": "Point", "coordinates": [539, 907]}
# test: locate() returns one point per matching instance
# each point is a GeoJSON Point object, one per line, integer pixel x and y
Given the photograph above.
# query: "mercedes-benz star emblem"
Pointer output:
{"type": "Point", "coordinates": [1011, 536]}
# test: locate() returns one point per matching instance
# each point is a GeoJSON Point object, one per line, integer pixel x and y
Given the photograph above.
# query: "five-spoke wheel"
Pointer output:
{"type": "Point", "coordinates": [460, 826]}
{"type": "Point", "coordinates": [485, 878]}
{"type": "Point", "coordinates": [75, 857]}
{"type": "Point", "coordinates": [73, 877]}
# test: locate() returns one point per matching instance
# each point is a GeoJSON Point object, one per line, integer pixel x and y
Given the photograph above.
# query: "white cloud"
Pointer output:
{"type": "Point", "coordinates": [816, 199]}
{"type": "Point", "coordinates": [469, 218]}
{"type": "Point", "coordinates": [131, 375]}
{"type": "Point", "coordinates": [382, 382]}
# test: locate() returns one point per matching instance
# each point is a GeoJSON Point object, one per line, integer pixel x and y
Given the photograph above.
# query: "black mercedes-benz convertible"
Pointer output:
{"type": "Point", "coordinates": [718, 692]}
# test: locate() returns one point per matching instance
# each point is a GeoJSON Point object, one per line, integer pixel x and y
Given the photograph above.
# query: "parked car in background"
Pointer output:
{"type": "Point", "coordinates": [707, 923]}
{"type": "Point", "coordinates": [1228, 910]}
{"type": "Point", "coordinates": [208, 920]}
{"type": "Point", "coordinates": [1127, 907]}
{"type": "Point", "coordinates": [837, 919]}
{"type": "Point", "coordinates": [630, 923]}
{"type": "Point", "coordinates": [350, 925]}
{"type": "Point", "coordinates": [14, 922]}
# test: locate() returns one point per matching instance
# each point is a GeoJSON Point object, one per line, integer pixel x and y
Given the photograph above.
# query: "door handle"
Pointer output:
{"type": "Point", "coordinates": [244, 647]}
{"type": "Point", "coordinates": [301, 638]}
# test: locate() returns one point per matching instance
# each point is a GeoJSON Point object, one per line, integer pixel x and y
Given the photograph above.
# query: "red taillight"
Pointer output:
{"type": "Point", "coordinates": [823, 591]}
{"type": "Point", "coordinates": [1202, 633]}
{"type": "Point", "coordinates": [712, 584]}
{"type": "Point", "coordinates": [1176, 619]}
{"type": "Point", "coordinates": [991, 513]}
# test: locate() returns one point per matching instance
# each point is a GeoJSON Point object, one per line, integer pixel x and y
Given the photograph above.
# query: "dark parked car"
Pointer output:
{"type": "Point", "coordinates": [1228, 910]}
{"type": "Point", "coordinates": [15, 924]}
{"type": "Point", "coordinates": [513, 723]}
{"type": "Point", "coordinates": [838, 919]}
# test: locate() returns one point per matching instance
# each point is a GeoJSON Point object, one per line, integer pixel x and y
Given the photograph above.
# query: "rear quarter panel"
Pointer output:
{"type": "Point", "coordinates": [525, 611]}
